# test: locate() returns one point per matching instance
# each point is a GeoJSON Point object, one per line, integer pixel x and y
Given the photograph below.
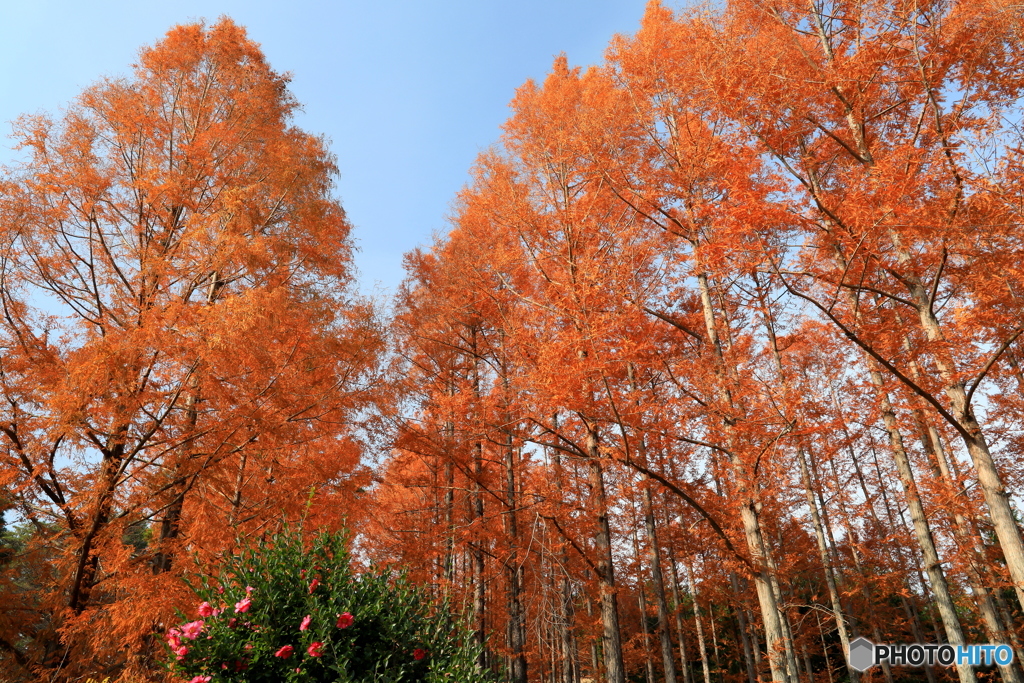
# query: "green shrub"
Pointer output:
{"type": "Point", "coordinates": [286, 611]}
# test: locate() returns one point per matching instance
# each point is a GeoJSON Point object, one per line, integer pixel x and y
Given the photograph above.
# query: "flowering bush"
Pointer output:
{"type": "Point", "coordinates": [285, 612]}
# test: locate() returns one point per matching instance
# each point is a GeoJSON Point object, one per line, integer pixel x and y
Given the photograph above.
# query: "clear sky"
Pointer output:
{"type": "Point", "coordinates": [409, 92]}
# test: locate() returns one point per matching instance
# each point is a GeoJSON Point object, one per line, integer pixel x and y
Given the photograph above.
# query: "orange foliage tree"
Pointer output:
{"type": "Point", "coordinates": [751, 286]}
{"type": "Point", "coordinates": [180, 361]}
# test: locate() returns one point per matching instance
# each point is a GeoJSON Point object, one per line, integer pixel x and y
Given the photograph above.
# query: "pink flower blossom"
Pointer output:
{"type": "Point", "coordinates": [220, 589]}
{"type": "Point", "coordinates": [419, 653]}
{"type": "Point", "coordinates": [201, 679]}
{"type": "Point", "coordinates": [313, 584]}
{"type": "Point", "coordinates": [173, 640]}
{"type": "Point", "coordinates": [345, 620]}
{"type": "Point", "coordinates": [232, 622]}
{"type": "Point", "coordinates": [242, 605]}
{"type": "Point", "coordinates": [305, 623]}
{"type": "Point", "coordinates": [249, 590]}
{"type": "Point", "coordinates": [191, 630]}
{"type": "Point", "coordinates": [285, 652]}
{"type": "Point", "coordinates": [248, 646]}
{"type": "Point", "coordinates": [314, 649]}
{"type": "Point", "coordinates": [206, 610]}
{"type": "Point", "coordinates": [181, 652]}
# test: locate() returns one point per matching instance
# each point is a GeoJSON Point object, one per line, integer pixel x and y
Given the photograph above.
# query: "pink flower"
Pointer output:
{"type": "Point", "coordinates": [285, 652]}
{"type": "Point", "coordinates": [191, 630]}
{"type": "Point", "coordinates": [173, 640]}
{"type": "Point", "coordinates": [419, 653]}
{"type": "Point", "coordinates": [314, 649]}
{"type": "Point", "coordinates": [305, 623]}
{"type": "Point", "coordinates": [248, 646]}
{"type": "Point", "coordinates": [201, 679]}
{"type": "Point", "coordinates": [345, 620]}
{"type": "Point", "coordinates": [181, 652]}
{"type": "Point", "coordinates": [313, 584]}
{"type": "Point", "coordinates": [206, 610]}
{"type": "Point", "coordinates": [242, 605]}
{"type": "Point", "coordinates": [232, 622]}
{"type": "Point", "coordinates": [220, 589]}
{"type": "Point", "coordinates": [249, 590]}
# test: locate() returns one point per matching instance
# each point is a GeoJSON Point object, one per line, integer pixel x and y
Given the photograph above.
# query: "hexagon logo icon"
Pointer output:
{"type": "Point", "coordinates": [862, 654]}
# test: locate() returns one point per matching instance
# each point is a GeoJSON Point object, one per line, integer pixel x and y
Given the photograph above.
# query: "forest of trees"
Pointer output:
{"type": "Point", "coordinates": [717, 369]}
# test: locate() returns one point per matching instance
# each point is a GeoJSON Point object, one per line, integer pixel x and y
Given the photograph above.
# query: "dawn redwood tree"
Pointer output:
{"type": "Point", "coordinates": [892, 123]}
{"type": "Point", "coordinates": [693, 233]}
{"type": "Point", "coordinates": [179, 353]}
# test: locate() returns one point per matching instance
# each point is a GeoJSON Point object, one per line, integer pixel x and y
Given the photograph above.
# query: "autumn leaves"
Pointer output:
{"type": "Point", "coordinates": [178, 355]}
{"type": "Point", "coordinates": [717, 369]}
{"type": "Point", "coordinates": [761, 265]}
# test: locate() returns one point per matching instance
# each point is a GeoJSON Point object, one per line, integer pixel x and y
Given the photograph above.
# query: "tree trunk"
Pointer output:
{"type": "Point", "coordinates": [699, 623]}
{"type": "Point", "coordinates": [677, 599]}
{"type": "Point", "coordinates": [994, 492]}
{"type": "Point", "coordinates": [922, 530]}
{"type": "Point", "coordinates": [664, 637]}
{"type": "Point", "coordinates": [830, 577]}
{"type": "Point", "coordinates": [774, 630]}
{"type": "Point", "coordinates": [514, 571]}
{"type": "Point", "coordinates": [610, 639]}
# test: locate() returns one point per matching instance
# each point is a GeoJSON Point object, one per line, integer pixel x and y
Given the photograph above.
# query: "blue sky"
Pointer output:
{"type": "Point", "coordinates": [408, 92]}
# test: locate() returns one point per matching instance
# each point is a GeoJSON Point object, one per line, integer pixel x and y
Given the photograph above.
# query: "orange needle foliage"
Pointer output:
{"type": "Point", "coordinates": [752, 287]}
{"type": "Point", "coordinates": [179, 362]}
{"type": "Point", "coordinates": [718, 368]}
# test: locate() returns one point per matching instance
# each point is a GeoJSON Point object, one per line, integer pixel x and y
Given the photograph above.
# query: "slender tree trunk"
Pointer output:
{"type": "Point", "coordinates": [595, 648]}
{"type": "Point", "coordinates": [88, 560]}
{"type": "Point", "coordinates": [779, 650]}
{"type": "Point", "coordinates": [644, 628]}
{"type": "Point", "coordinates": [830, 577]}
{"type": "Point", "coordinates": [741, 632]}
{"type": "Point", "coordinates": [714, 638]}
{"type": "Point", "coordinates": [479, 589]}
{"type": "Point", "coordinates": [805, 479]}
{"type": "Point", "coordinates": [449, 511]}
{"type": "Point", "coordinates": [677, 600]}
{"type": "Point", "coordinates": [514, 571]}
{"type": "Point", "coordinates": [699, 623]}
{"type": "Point", "coordinates": [824, 649]}
{"type": "Point", "coordinates": [922, 531]}
{"type": "Point", "coordinates": [570, 656]}
{"type": "Point", "coordinates": [653, 548]}
{"type": "Point", "coordinates": [236, 497]}
{"type": "Point", "coordinates": [966, 534]}
{"type": "Point", "coordinates": [570, 672]}
{"type": "Point", "coordinates": [169, 529]}
{"type": "Point", "coordinates": [170, 525]}
{"type": "Point", "coordinates": [664, 636]}
{"type": "Point", "coordinates": [993, 491]}
{"type": "Point", "coordinates": [610, 638]}
{"type": "Point", "coordinates": [477, 515]}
